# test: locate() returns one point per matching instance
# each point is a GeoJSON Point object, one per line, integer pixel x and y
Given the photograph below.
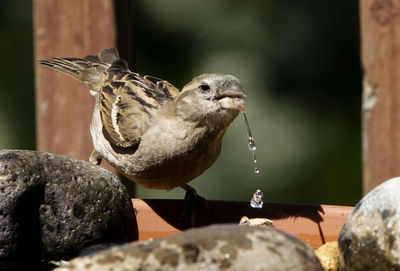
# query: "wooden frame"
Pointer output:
{"type": "Point", "coordinates": [67, 28]}
{"type": "Point", "coordinates": [380, 42]}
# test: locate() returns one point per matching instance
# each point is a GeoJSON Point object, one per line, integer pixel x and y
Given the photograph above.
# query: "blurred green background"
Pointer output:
{"type": "Point", "coordinates": [298, 61]}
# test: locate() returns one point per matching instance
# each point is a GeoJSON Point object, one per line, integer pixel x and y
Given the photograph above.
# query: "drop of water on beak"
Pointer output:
{"type": "Point", "coordinates": [252, 143]}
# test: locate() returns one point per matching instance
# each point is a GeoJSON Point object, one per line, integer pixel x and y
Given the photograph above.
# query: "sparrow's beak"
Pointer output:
{"type": "Point", "coordinates": [230, 96]}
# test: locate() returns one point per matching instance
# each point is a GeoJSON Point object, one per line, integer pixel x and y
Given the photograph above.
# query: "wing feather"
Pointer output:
{"type": "Point", "coordinates": [129, 102]}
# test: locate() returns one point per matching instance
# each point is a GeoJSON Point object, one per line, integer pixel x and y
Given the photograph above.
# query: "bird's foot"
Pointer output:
{"type": "Point", "coordinates": [190, 204]}
{"type": "Point", "coordinates": [95, 157]}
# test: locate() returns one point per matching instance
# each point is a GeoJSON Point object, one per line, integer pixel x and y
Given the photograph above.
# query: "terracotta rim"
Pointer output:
{"type": "Point", "coordinates": [314, 224]}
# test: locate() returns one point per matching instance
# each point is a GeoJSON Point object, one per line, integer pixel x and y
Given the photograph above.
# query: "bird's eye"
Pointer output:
{"type": "Point", "coordinates": [204, 87]}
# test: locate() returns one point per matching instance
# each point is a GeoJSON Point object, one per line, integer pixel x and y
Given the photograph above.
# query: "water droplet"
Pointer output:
{"type": "Point", "coordinates": [256, 200]}
{"type": "Point", "coordinates": [256, 169]}
{"type": "Point", "coordinates": [252, 143]}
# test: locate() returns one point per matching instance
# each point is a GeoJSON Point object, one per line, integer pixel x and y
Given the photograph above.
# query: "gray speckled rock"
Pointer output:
{"type": "Point", "coordinates": [370, 238]}
{"type": "Point", "coordinates": [52, 205]}
{"type": "Point", "coordinates": [218, 247]}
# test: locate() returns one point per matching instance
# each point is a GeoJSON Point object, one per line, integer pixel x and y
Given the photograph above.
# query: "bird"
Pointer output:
{"type": "Point", "coordinates": [155, 134]}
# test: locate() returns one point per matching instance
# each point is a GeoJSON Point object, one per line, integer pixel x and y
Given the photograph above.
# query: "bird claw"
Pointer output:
{"type": "Point", "coordinates": [190, 204]}
{"type": "Point", "coordinates": [95, 158]}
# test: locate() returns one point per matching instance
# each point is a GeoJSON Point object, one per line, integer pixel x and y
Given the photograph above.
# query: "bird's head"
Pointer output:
{"type": "Point", "coordinates": [215, 97]}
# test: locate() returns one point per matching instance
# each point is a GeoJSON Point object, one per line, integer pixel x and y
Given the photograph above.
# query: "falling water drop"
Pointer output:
{"type": "Point", "coordinates": [252, 143]}
{"type": "Point", "coordinates": [256, 200]}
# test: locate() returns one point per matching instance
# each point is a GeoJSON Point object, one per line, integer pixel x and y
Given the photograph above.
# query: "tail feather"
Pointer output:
{"type": "Point", "coordinates": [108, 55]}
{"type": "Point", "coordinates": [88, 69]}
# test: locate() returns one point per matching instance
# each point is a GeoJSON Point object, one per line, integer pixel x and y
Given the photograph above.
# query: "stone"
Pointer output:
{"type": "Point", "coordinates": [328, 255]}
{"type": "Point", "coordinates": [370, 238]}
{"type": "Point", "coordinates": [53, 205]}
{"type": "Point", "coordinates": [216, 247]}
{"type": "Point", "coordinates": [256, 222]}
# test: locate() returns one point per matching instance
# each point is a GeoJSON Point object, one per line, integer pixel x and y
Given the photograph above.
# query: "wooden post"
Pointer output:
{"type": "Point", "coordinates": [72, 28]}
{"type": "Point", "coordinates": [380, 45]}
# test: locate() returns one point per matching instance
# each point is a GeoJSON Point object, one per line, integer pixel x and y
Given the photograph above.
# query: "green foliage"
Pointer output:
{"type": "Point", "coordinates": [17, 118]}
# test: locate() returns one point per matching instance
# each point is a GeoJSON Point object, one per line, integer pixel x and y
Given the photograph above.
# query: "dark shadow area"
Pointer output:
{"type": "Point", "coordinates": [124, 20]}
{"type": "Point", "coordinates": [27, 217]}
{"type": "Point", "coordinates": [222, 212]}
{"type": "Point", "coordinates": [130, 186]}
{"type": "Point", "coordinates": [28, 234]}
{"type": "Point", "coordinates": [232, 211]}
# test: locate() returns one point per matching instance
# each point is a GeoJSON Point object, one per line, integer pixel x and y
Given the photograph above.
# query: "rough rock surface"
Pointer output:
{"type": "Point", "coordinates": [370, 238]}
{"type": "Point", "coordinates": [256, 222]}
{"type": "Point", "coordinates": [53, 205]}
{"type": "Point", "coordinates": [218, 247]}
{"type": "Point", "coordinates": [328, 255]}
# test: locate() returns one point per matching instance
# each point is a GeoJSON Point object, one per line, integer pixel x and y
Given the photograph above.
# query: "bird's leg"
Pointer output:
{"type": "Point", "coordinates": [95, 157]}
{"type": "Point", "coordinates": [190, 203]}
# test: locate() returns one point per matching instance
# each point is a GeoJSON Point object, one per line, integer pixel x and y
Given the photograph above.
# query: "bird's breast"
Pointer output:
{"type": "Point", "coordinates": [169, 154]}
{"type": "Point", "coordinates": [167, 159]}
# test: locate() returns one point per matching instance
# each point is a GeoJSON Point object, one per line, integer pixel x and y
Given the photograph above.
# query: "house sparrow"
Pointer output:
{"type": "Point", "coordinates": [157, 136]}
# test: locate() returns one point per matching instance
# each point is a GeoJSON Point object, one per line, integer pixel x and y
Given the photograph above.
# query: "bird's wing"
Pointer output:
{"type": "Point", "coordinates": [88, 69]}
{"type": "Point", "coordinates": [128, 101]}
